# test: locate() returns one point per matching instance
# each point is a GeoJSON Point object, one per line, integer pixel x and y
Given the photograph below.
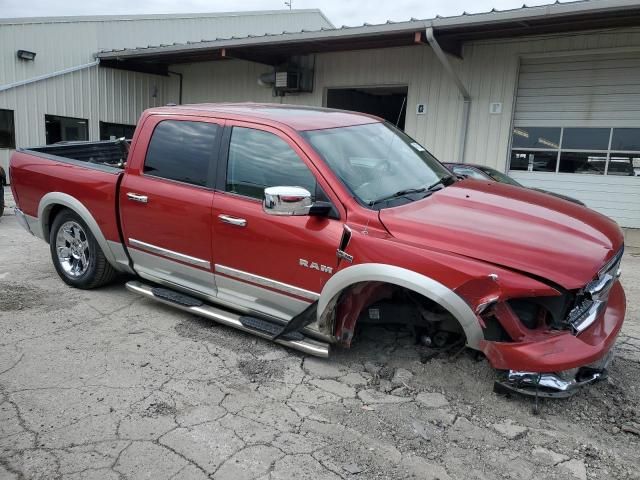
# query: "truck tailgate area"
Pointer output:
{"type": "Point", "coordinates": [35, 174]}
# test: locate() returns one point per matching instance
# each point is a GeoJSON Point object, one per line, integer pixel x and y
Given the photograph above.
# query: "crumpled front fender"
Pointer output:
{"type": "Point", "coordinates": [554, 351]}
{"type": "Point", "coordinates": [390, 275]}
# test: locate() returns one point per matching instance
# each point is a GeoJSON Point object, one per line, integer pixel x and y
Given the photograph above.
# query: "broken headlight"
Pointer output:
{"type": "Point", "coordinates": [592, 299]}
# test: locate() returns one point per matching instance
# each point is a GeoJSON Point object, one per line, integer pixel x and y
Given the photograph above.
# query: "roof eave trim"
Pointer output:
{"type": "Point", "coordinates": [449, 24]}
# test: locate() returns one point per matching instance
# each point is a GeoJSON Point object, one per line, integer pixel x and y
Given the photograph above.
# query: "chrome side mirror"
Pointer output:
{"type": "Point", "coordinates": [287, 201]}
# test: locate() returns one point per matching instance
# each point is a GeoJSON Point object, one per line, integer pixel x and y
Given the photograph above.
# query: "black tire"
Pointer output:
{"type": "Point", "coordinates": [96, 272]}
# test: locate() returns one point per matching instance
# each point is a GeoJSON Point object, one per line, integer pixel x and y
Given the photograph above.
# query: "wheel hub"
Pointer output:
{"type": "Point", "coordinates": [72, 247]}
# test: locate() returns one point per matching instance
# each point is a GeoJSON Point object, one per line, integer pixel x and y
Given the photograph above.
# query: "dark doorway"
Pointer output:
{"type": "Point", "coordinates": [389, 103]}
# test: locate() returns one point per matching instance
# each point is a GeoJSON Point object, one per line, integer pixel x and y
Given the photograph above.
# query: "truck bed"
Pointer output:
{"type": "Point", "coordinates": [109, 153]}
{"type": "Point", "coordinates": [86, 171]}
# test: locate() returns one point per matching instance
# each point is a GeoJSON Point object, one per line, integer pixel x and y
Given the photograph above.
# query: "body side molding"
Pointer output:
{"type": "Point", "coordinates": [267, 282]}
{"type": "Point", "coordinates": [430, 288]}
{"type": "Point", "coordinates": [181, 257]}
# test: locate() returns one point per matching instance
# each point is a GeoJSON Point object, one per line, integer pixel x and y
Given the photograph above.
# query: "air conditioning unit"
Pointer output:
{"type": "Point", "coordinates": [295, 76]}
{"type": "Point", "coordinates": [288, 81]}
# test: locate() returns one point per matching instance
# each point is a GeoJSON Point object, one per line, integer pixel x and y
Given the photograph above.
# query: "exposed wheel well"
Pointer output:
{"type": "Point", "coordinates": [384, 303]}
{"type": "Point", "coordinates": [50, 215]}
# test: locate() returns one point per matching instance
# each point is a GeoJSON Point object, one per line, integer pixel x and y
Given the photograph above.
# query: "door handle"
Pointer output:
{"type": "Point", "coordinates": [136, 197]}
{"type": "Point", "coordinates": [238, 222]}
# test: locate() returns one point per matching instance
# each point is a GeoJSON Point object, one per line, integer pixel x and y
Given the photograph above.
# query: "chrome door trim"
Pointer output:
{"type": "Point", "coordinates": [181, 257]}
{"type": "Point", "coordinates": [267, 282]}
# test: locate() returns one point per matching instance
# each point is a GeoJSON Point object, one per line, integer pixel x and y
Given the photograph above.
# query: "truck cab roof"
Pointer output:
{"type": "Point", "coordinates": [299, 118]}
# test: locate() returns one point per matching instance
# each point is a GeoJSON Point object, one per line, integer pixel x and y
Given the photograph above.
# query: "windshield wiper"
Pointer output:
{"type": "Point", "coordinates": [444, 181]}
{"type": "Point", "coordinates": [398, 194]}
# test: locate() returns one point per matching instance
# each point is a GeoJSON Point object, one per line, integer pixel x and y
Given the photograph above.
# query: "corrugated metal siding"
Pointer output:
{"type": "Point", "coordinates": [590, 90]}
{"type": "Point", "coordinates": [106, 94]}
{"type": "Point", "coordinates": [584, 91]}
{"type": "Point", "coordinates": [95, 94]}
{"type": "Point", "coordinates": [56, 48]}
{"type": "Point", "coordinates": [121, 34]}
{"type": "Point", "coordinates": [615, 197]}
{"type": "Point", "coordinates": [62, 45]}
{"type": "Point", "coordinates": [236, 80]}
{"type": "Point", "coordinates": [491, 72]}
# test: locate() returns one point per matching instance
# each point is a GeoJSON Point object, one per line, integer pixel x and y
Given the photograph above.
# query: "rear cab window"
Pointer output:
{"type": "Point", "coordinates": [183, 151]}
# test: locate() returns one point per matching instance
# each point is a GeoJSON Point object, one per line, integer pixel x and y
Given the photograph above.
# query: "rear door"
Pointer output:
{"type": "Point", "coordinates": [274, 265]}
{"type": "Point", "coordinates": [166, 200]}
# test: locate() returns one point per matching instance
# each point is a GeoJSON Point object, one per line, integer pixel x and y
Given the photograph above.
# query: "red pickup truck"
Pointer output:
{"type": "Point", "coordinates": [300, 224]}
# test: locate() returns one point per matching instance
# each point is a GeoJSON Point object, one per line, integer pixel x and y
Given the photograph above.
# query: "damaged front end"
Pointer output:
{"type": "Point", "coordinates": [550, 346]}
{"type": "Point", "coordinates": [553, 385]}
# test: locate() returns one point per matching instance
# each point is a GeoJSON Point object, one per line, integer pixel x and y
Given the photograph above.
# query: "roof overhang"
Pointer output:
{"type": "Point", "coordinates": [452, 34]}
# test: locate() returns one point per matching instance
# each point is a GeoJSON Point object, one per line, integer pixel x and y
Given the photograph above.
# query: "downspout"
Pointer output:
{"type": "Point", "coordinates": [47, 76]}
{"type": "Point", "coordinates": [179, 75]}
{"type": "Point", "coordinates": [466, 107]}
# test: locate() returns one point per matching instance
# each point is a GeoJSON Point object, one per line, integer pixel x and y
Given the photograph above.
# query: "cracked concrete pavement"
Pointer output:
{"type": "Point", "coordinates": [107, 385]}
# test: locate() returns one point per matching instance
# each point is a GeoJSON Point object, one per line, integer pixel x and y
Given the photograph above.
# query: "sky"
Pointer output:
{"type": "Point", "coordinates": [340, 12]}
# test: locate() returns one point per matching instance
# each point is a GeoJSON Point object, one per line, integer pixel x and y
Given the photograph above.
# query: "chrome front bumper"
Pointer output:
{"type": "Point", "coordinates": [22, 220]}
{"type": "Point", "coordinates": [553, 385]}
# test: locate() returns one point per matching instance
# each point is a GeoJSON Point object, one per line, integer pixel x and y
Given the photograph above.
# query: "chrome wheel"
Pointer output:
{"type": "Point", "coordinates": [72, 247]}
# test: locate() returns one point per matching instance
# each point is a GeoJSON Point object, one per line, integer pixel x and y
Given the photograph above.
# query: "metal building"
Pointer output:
{"type": "Point", "coordinates": [52, 89]}
{"type": "Point", "coordinates": [550, 94]}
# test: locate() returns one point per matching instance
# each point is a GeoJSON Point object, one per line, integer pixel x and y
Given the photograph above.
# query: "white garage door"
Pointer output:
{"type": "Point", "coordinates": [577, 130]}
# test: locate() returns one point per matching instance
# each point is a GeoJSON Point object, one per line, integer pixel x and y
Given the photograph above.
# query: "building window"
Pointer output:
{"type": "Point", "coordinates": [65, 129]}
{"type": "Point", "coordinates": [595, 151]}
{"type": "Point", "coordinates": [182, 151]}
{"type": "Point", "coordinates": [7, 129]}
{"type": "Point", "coordinates": [112, 131]}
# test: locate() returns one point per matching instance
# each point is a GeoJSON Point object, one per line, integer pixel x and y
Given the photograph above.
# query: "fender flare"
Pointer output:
{"type": "Point", "coordinates": [52, 199]}
{"type": "Point", "coordinates": [428, 287]}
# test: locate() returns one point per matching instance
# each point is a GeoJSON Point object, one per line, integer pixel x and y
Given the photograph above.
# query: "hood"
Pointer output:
{"type": "Point", "coordinates": [559, 195]}
{"type": "Point", "coordinates": [513, 227]}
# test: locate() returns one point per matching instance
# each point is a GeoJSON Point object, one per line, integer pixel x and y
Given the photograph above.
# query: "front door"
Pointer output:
{"type": "Point", "coordinates": [275, 265]}
{"type": "Point", "coordinates": [166, 201]}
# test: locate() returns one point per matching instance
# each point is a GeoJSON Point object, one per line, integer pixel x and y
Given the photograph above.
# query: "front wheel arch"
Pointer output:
{"type": "Point", "coordinates": [404, 278]}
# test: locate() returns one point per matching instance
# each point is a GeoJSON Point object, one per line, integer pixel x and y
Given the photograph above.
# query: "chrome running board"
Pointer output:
{"type": "Point", "coordinates": [230, 319]}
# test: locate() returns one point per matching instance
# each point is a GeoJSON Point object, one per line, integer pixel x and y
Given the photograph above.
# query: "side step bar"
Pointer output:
{"type": "Point", "coordinates": [230, 319]}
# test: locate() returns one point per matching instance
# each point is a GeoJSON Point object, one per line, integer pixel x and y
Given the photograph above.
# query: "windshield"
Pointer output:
{"type": "Point", "coordinates": [378, 163]}
{"type": "Point", "coordinates": [499, 176]}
